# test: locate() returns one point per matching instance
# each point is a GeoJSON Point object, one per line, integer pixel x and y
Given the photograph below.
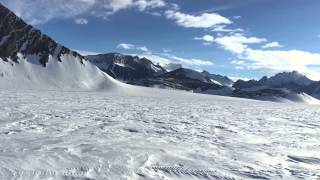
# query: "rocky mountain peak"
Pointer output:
{"type": "Point", "coordinates": [289, 77]}
{"type": "Point", "coordinates": [17, 37]}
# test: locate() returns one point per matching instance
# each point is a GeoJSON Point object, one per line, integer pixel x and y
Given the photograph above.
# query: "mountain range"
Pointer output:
{"type": "Point", "coordinates": [31, 59]}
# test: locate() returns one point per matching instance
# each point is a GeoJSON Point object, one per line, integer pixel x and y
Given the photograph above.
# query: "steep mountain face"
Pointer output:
{"type": "Point", "coordinates": [125, 67]}
{"type": "Point", "coordinates": [30, 59]}
{"type": "Point", "coordinates": [19, 37]}
{"type": "Point", "coordinates": [222, 80]}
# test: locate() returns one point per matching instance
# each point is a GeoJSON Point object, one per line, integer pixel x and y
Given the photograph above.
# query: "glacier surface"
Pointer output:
{"type": "Point", "coordinates": [154, 134]}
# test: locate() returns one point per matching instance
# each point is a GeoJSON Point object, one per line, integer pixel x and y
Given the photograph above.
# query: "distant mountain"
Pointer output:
{"type": "Point", "coordinates": [222, 80]}
{"type": "Point", "coordinates": [283, 78]}
{"type": "Point", "coordinates": [125, 67]}
{"type": "Point", "coordinates": [183, 79]}
{"type": "Point", "coordinates": [30, 59]}
{"type": "Point", "coordinates": [285, 85]}
{"type": "Point", "coordinates": [183, 73]}
{"type": "Point", "coordinates": [291, 80]}
{"type": "Point", "coordinates": [141, 71]}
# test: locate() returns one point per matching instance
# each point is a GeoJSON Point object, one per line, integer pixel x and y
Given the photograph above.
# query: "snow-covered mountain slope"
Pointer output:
{"type": "Point", "coordinates": [32, 60]}
{"type": "Point", "coordinates": [301, 98]}
{"type": "Point", "coordinates": [155, 135]}
{"type": "Point", "coordinates": [68, 74]}
{"type": "Point", "coordinates": [125, 67]}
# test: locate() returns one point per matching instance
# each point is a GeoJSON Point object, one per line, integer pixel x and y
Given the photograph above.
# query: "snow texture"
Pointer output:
{"type": "Point", "coordinates": [149, 133]}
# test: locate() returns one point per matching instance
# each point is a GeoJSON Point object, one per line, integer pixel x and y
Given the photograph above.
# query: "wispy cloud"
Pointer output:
{"type": "Point", "coordinates": [222, 28]}
{"type": "Point", "coordinates": [167, 58]}
{"type": "Point", "coordinates": [85, 53]}
{"type": "Point", "coordinates": [41, 11]}
{"type": "Point", "coordinates": [143, 48]}
{"type": "Point", "coordinates": [204, 20]}
{"type": "Point", "coordinates": [128, 46]}
{"type": "Point", "coordinates": [236, 43]}
{"type": "Point", "coordinates": [272, 45]}
{"type": "Point", "coordinates": [208, 39]}
{"type": "Point", "coordinates": [190, 62]}
{"type": "Point", "coordinates": [81, 21]}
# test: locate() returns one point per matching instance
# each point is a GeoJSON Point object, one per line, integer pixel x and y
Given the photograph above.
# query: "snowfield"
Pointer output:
{"type": "Point", "coordinates": [155, 134]}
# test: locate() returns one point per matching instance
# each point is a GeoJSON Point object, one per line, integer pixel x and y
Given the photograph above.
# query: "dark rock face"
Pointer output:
{"type": "Point", "coordinates": [183, 79]}
{"type": "Point", "coordinates": [18, 37]}
{"type": "Point", "coordinates": [241, 84]}
{"type": "Point", "coordinates": [125, 67]}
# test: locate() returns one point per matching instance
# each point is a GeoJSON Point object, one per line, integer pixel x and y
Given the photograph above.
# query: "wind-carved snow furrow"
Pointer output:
{"type": "Point", "coordinates": [91, 135]}
{"type": "Point", "coordinates": [197, 173]}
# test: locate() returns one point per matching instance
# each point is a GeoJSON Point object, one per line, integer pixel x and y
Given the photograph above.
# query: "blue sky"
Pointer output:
{"type": "Point", "coordinates": [247, 39]}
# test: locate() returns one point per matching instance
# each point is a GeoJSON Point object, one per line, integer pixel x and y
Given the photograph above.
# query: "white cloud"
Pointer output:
{"type": "Point", "coordinates": [205, 20]}
{"type": "Point", "coordinates": [206, 38]}
{"type": "Point", "coordinates": [237, 62]}
{"type": "Point", "coordinates": [222, 28]}
{"type": "Point", "coordinates": [190, 62]}
{"type": "Point", "coordinates": [271, 60]}
{"type": "Point", "coordinates": [165, 59]}
{"type": "Point", "coordinates": [237, 43]}
{"type": "Point", "coordinates": [86, 53]}
{"type": "Point", "coordinates": [126, 46]}
{"type": "Point", "coordinates": [237, 17]}
{"type": "Point", "coordinates": [141, 5]}
{"type": "Point", "coordinates": [41, 11]}
{"type": "Point", "coordinates": [143, 48]}
{"type": "Point", "coordinates": [166, 50]}
{"type": "Point", "coordinates": [276, 60]}
{"type": "Point", "coordinates": [272, 45]}
{"type": "Point", "coordinates": [81, 21]}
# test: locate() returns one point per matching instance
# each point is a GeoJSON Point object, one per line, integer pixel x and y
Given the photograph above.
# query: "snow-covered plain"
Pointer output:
{"type": "Point", "coordinates": [155, 134]}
